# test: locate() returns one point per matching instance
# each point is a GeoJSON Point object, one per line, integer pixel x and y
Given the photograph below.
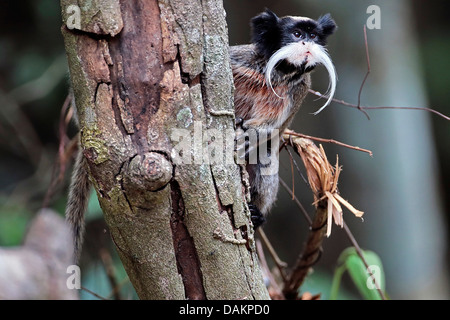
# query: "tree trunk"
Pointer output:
{"type": "Point", "coordinates": [146, 74]}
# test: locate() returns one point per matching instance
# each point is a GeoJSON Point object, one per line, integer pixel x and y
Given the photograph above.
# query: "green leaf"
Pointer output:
{"type": "Point", "coordinates": [337, 281]}
{"type": "Point", "coordinates": [321, 281]}
{"type": "Point", "coordinates": [13, 224]}
{"type": "Point", "coordinates": [363, 278]}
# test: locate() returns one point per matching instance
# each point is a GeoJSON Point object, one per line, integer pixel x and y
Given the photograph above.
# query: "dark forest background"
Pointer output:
{"type": "Point", "coordinates": [403, 190]}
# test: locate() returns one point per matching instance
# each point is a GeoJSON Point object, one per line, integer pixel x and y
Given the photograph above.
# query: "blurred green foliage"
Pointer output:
{"type": "Point", "coordinates": [14, 219]}
{"type": "Point", "coordinates": [366, 282]}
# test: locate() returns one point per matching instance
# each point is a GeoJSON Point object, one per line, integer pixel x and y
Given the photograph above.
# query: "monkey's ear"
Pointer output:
{"type": "Point", "coordinates": [327, 24]}
{"type": "Point", "coordinates": [266, 32]}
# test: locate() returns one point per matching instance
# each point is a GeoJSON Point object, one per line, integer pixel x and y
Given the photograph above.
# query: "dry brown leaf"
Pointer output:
{"type": "Point", "coordinates": [323, 179]}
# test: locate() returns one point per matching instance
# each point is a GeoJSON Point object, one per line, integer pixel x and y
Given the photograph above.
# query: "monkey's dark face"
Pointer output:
{"type": "Point", "coordinates": [296, 29]}
{"type": "Point", "coordinates": [271, 33]}
{"type": "Point", "coordinates": [295, 42]}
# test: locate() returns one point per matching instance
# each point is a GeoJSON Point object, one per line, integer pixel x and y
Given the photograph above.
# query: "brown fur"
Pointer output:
{"type": "Point", "coordinates": [263, 110]}
{"type": "Point", "coordinates": [80, 187]}
{"type": "Point", "coordinates": [255, 101]}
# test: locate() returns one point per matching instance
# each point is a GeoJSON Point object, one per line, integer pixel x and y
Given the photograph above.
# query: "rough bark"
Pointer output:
{"type": "Point", "coordinates": [140, 69]}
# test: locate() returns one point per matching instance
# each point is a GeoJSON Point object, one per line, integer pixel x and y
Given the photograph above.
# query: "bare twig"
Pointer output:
{"type": "Point", "coordinates": [366, 76]}
{"type": "Point", "coordinates": [285, 146]}
{"type": "Point", "coordinates": [274, 289]}
{"type": "Point", "coordinates": [21, 132]}
{"type": "Point", "coordinates": [294, 198]}
{"type": "Point", "coordinates": [292, 133]}
{"type": "Point", "coordinates": [110, 272]}
{"type": "Point", "coordinates": [65, 150]}
{"type": "Point", "coordinates": [281, 265]}
{"type": "Point", "coordinates": [292, 174]}
{"type": "Point", "coordinates": [93, 293]}
{"type": "Point", "coordinates": [364, 108]}
{"type": "Point", "coordinates": [21, 127]}
{"type": "Point", "coordinates": [360, 254]}
{"type": "Point", "coordinates": [118, 287]}
{"type": "Point", "coordinates": [324, 205]}
{"type": "Point", "coordinates": [347, 104]}
{"type": "Point", "coordinates": [409, 108]}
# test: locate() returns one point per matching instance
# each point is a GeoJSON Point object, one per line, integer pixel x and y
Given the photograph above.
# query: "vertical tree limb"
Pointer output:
{"type": "Point", "coordinates": [140, 69]}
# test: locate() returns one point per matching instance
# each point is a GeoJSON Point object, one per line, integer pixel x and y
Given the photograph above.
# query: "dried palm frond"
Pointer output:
{"type": "Point", "coordinates": [323, 179]}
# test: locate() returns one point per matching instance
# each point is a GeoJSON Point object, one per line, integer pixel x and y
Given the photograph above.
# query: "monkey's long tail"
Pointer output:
{"type": "Point", "coordinates": [80, 187]}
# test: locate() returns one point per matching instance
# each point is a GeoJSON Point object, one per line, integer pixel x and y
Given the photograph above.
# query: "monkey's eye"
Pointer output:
{"type": "Point", "coordinates": [297, 34]}
{"type": "Point", "coordinates": [312, 35]}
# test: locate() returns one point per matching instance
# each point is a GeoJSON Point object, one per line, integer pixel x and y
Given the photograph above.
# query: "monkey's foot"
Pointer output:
{"type": "Point", "coordinates": [257, 217]}
{"type": "Point", "coordinates": [246, 144]}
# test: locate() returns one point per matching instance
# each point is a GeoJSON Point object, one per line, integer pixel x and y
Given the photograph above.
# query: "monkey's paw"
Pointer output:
{"type": "Point", "coordinates": [257, 217]}
{"type": "Point", "coordinates": [247, 144]}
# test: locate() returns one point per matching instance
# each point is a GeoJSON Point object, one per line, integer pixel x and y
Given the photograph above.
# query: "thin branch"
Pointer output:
{"type": "Point", "coordinates": [295, 199]}
{"type": "Point", "coordinates": [274, 289]}
{"type": "Point", "coordinates": [65, 149]}
{"type": "Point", "coordinates": [328, 141]}
{"type": "Point", "coordinates": [110, 272]}
{"type": "Point", "coordinates": [20, 125]}
{"type": "Point", "coordinates": [364, 108]}
{"type": "Point", "coordinates": [410, 108]}
{"type": "Point", "coordinates": [360, 254]}
{"type": "Point", "coordinates": [118, 287]}
{"type": "Point", "coordinates": [292, 174]}
{"type": "Point", "coordinates": [285, 146]}
{"type": "Point", "coordinates": [366, 76]}
{"type": "Point", "coordinates": [312, 250]}
{"type": "Point", "coordinates": [93, 293]}
{"type": "Point", "coordinates": [20, 129]}
{"type": "Point", "coordinates": [281, 265]}
{"type": "Point", "coordinates": [351, 105]}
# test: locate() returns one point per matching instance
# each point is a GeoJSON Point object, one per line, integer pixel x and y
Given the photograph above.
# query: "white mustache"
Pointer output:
{"type": "Point", "coordinates": [296, 54]}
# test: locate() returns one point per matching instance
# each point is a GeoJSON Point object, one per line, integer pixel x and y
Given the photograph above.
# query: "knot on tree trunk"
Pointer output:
{"type": "Point", "coordinates": [150, 171]}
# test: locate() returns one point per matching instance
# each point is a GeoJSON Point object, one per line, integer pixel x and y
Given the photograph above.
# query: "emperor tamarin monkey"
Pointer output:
{"type": "Point", "coordinates": [271, 78]}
